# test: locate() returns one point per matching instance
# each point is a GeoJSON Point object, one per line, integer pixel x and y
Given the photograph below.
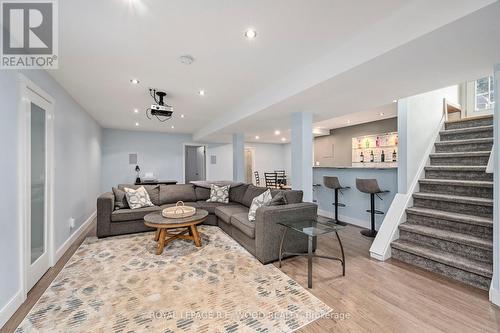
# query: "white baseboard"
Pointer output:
{"type": "Point", "coordinates": [347, 219]}
{"type": "Point", "coordinates": [494, 296]}
{"type": "Point", "coordinates": [11, 307]}
{"type": "Point", "coordinates": [63, 248]}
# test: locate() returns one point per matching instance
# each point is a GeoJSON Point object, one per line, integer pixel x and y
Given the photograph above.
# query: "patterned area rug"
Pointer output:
{"type": "Point", "coordinates": [119, 285]}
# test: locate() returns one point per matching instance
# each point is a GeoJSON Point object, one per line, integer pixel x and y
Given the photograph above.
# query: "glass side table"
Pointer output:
{"type": "Point", "coordinates": [312, 229]}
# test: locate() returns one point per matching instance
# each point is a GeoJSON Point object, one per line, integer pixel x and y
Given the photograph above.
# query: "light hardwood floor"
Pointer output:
{"type": "Point", "coordinates": [373, 296]}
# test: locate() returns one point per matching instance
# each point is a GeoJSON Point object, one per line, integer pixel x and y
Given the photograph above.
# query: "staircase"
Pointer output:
{"type": "Point", "coordinates": [449, 228]}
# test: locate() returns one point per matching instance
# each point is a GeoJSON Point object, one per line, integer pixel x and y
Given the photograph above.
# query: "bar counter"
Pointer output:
{"type": "Point", "coordinates": [356, 202]}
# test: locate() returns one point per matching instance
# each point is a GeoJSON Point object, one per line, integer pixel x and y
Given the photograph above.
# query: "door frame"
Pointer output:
{"type": "Point", "coordinates": [184, 145]}
{"type": "Point", "coordinates": [27, 90]}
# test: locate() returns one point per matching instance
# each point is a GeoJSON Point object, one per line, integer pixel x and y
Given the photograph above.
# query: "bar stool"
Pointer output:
{"type": "Point", "coordinates": [371, 187]}
{"type": "Point", "coordinates": [314, 190]}
{"type": "Point", "coordinates": [333, 183]}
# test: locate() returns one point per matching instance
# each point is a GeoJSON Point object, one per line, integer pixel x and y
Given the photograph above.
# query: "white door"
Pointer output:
{"type": "Point", "coordinates": [37, 204]}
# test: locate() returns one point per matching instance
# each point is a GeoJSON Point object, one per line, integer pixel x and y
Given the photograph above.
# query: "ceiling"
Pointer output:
{"type": "Point", "coordinates": [300, 46]}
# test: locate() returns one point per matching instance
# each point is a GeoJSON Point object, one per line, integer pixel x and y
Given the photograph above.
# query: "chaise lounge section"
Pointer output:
{"type": "Point", "coordinates": [260, 237]}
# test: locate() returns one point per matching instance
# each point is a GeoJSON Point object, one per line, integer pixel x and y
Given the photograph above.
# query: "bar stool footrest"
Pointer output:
{"type": "Point", "coordinates": [378, 212]}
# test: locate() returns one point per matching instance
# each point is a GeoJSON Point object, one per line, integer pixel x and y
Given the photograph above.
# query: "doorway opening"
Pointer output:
{"type": "Point", "coordinates": [249, 164]}
{"type": "Point", "coordinates": [194, 163]}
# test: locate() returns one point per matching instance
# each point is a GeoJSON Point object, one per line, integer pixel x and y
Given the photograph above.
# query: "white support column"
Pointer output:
{"type": "Point", "coordinates": [302, 153]}
{"type": "Point", "coordinates": [495, 283]}
{"type": "Point", "coordinates": [239, 157]}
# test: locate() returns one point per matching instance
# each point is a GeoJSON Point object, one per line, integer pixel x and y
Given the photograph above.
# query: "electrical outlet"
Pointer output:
{"type": "Point", "coordinates": [71, 223]}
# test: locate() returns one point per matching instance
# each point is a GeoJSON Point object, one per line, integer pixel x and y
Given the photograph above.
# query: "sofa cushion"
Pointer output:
{"type": "Point", "coordinates": [153, 191]}
{"type": "Point", "coordinates": [138, 198]}
{"type": "Point", "coordinates": [278, 200]}
{"type": "Point", "coordinates": [226, 211]}
{"type": "Point", "coordinates": [237, 192]}
{"type": "Point", "coordinates": [124, 215]}
{"type": "Point", "coordinates": [120, 199]}
{"type": "Point", "coordinates": [240, 221]}
{"type": "Point", "coordinates": [209, 206]}
{"type": "Point", "coordinates": [208, 183]}
{"type": "Point", "coordinates": [174, 193]}
{"type": "Point", "coordinates": [219, 193]}
{"type": "Point", "coordinates": [262, 200]}
{"type": "Point", "coordinates": [293, 196]}
{"type": "Point", "coordinates": [202, 193]}
{"type": "Point", "coordinates": [252, 192]}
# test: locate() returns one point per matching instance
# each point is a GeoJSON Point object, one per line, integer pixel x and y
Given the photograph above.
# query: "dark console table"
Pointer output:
{"type": "Point", "coordinates": [159, 182]}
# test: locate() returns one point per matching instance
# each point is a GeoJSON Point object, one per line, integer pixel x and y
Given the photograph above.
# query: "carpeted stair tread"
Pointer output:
{"type": "Point", "coordinates": [449, 182]}
{"type": "Point", "coordinates": [449, 216]}
{"type": "Point", "coordinates": [456, 168]}
{"type": "Point", "coordinates": [470, 122]}
{"type": "Point", "coordinates": [460, 154]}
{"type": "Point", "coordinates": [467, 130]}
{"type": "Point", "coordinates": [446, 258]}
{"type": "Point", "coordinates": [454, 198]}
{"type": "Point", "coordinates": [464, 141]}
{"type": "Point", "coordinates": [451, 236]}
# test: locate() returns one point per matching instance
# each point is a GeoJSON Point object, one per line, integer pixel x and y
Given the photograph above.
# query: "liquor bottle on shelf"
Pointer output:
{"type": "Point", "coordinates": [394, 156]}
{"type": "Point", "coordinates": [367, 143]}
{"type": "Point", "coordinates": [377, 142]}
{"type": "Point", "coordinates": [372, 157]}
{"type": "Point", "coordinates": [382, 157]}
{"type": "Point", "coordinates": [362, 158]}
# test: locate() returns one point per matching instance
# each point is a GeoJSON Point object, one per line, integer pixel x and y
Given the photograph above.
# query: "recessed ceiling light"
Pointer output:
{"type": "Point", "coordinates": [348, 121]}
{"type": "Point", "coordinates": [201, 92]}
{"type": "Point", "coordinates": [136, 110]}
{"type": "Point", "coordinates": [381, 113]}
{"type": "Point", "coordinates": [251, 34]}
{"type": "Point", "coordinates": [182, 116]}
{"type": "Point", "coordinates": [394, 100]}
{"type": "Point", "coordinates": [136, 124]}
{"type": "Point", "coordinates": [257, 137]}
{"type": "Point", "coordinates": [172, 127]}
{"type": "Point", "coordinates": [277, 132]}
{"type": "Point", "coordinates": [134, 81]}
{"type": "Point", "coordinates": [186, 59]}
{"type": "Point", "coordinates": [283, 139]}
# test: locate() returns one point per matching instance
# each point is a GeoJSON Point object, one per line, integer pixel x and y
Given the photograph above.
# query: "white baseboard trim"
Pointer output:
{"type": "Point", "coordinates": [347, 219]}
{"type": "Point", "coordinates": [11, 307]}
{"type": "Point", "coordinates": [66, 245]}
{"type": "Point", "coordinates": [495, 296]}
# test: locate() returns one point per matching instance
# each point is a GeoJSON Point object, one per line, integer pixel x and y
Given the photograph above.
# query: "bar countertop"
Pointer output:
{"type": "Point", "coordinates": [356, 167]}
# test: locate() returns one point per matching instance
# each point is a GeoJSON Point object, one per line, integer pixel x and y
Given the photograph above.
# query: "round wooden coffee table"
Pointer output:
{"type": "Point", "coordinates": [185, 224]}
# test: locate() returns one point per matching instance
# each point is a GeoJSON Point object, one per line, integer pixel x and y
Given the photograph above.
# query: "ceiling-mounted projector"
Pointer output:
{"type": "Point", "coordinates": [160, 110]}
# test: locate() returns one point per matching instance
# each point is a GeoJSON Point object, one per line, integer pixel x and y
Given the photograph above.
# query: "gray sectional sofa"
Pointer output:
{"type": "Point", "coordinates": [260, 237]}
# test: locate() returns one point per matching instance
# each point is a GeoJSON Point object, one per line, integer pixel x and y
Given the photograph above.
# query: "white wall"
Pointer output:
{"type": "Point", "coordinates": [77, 163]}
{"type": "Point", "coordinates": [223, 169]}
{"type": "Point", "coordinates": [287, 150]}
{"type": "Point", "coordinates": [419, 117]}
{"type": "Point", "coordinates": [9, 251]}
{"type": "Point", "coordinates": [268, 157]}
{"type": "Point", "coordinates": [495, 283]}
{"type": "Point", "coordinates": [160, 153]}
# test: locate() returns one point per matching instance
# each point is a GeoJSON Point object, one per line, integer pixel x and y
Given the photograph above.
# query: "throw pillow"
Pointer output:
{"type": "Point", "coordinates": [120, 199]}
{"type": "Point", "coordinates": [138, 198]}
{"type": "Point", "coordinates": [219, 193]}
{"type": "Point", "coordinates": [257, 202]}
{"type": "Point", "coordinates": [278, 200]}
